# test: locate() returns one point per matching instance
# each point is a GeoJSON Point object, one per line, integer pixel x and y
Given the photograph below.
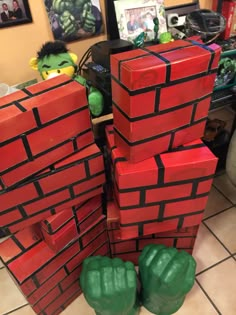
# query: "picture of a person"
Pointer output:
{"type": "Point", "coordinates": [132, 25]}
{"type": "Point", "coordinates": [17, 11]}
{"type": "Point", "coordinates": [6, 14]}
{"type": "Point", "coordinates": [149, 21]}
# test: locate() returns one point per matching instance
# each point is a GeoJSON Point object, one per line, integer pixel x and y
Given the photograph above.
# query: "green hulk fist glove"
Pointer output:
{"type": "Point", "coordinates": [110, 286]}
{"type": "Point", "coordinates": [166, 277]}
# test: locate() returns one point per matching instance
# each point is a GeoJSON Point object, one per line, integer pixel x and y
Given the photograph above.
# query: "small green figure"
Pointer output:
{"type": "Point", "coordinates": [156, 30]}
{"type": "Point", "coordinates": [165, 38]}
{"type": "Point", "coordinates": [166, 277]}
{"type": "Point", "coordinates": [139, 40]}
{"type": "Point", "coordinates": [110, 286]}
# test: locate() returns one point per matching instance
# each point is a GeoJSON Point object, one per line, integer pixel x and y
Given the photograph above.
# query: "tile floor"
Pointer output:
{"type": "Point", "coordinates": [215, 252]}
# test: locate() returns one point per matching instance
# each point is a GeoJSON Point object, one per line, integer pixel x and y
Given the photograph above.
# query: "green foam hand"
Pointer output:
{"type": "Point", "coordinates": [110, 286]}
{"type": "Point", "coordinates": [166, 277]}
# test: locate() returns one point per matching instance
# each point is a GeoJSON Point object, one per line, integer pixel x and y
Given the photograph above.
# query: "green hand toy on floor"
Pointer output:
{"type": "Point", "coordinates": [166, 276]}
{"type": "Point", "coordinates": [110, 286]}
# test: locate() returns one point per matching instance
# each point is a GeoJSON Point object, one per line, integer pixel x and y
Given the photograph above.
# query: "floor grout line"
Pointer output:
{"type": "Point", "coordinates": [233, 204]}
{"type": "Point", "coordinates": [16, 309]}
{"type": "Point", "coordinates": [208, 297]}
{"type": "Point", "coordinates": [217, 238]}
{"type": "Point", "coordinates": [216, 264]}
{"type": "Point", "coordinates": [214, 215]}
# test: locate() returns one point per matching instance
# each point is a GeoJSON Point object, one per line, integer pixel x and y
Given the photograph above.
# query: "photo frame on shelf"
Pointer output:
{"type": "Point", "coordinates": [14, 12]}
{"type": "Point", "coordinates": [136, 16]}
{"type": "Point", "coordinates": [74, 20]}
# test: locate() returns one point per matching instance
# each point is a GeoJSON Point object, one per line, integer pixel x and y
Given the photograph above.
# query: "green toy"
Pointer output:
{"type": "Point", "coordinates": [139, 40]}
{"type": "Point", "coordinates": [110, 286]}
{"type": "Point", "coordinates": [54, 59]}
{"type": "Point", "coordinates": [165, 37]}
{"type": "Point", "coordinates": [75, 15]}
{"type": "Point", "coordinates": [166, 277]}
{"type": "Point", "coordinates": [156, 30]}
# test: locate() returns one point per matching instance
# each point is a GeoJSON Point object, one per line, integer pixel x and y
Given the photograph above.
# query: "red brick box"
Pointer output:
{"type": "Point", "coordinates": [60, 229]}
{"type": "Point", "coordinates": [66, 184]}
{"type": "Point", "coordinates": [161, 96]}
{"type": "Point", "coordinates": [163, 193]}
{"type": "Point", "coordinates": [49, 280]}
{"type": "Point", "coordinates": [131, 248]}
{"type": "Point", "coordinates": [41, 125]}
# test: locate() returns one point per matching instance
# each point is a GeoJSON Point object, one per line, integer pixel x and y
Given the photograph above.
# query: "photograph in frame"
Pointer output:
{"type": "Point", "coordinates": [74, 20]}
{"type": "Point", "coordinates": [136, 16]}
{"type": "Point", "coordinates": [14, 12]}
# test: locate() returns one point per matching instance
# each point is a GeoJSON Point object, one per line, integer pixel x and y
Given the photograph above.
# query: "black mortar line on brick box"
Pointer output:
{"type": "Point", "coordinates": [49, 208]}
{"type": "Point", "coordinates": [161, 112]}
{"type": "Point", "coordinates": [68, 274]}
{"type": "Point", "coordinates": [155, 137]}
{"type": "Point", "coordinates": [54, 191]}
{"type": "Point", "coordinates": [70, 140]}
{"type": "Point", "coordinates": [210, 230]}
{"type": "Point", "coordinates": [51, 122]}
{"type": "Point", "coordinates": [208, 297]}
{"type": "Point", "coordinates": [164, 84]}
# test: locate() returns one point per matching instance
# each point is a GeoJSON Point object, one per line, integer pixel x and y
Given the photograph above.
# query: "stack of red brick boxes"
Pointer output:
{"type": "Point", "coordinates": [51, 185]}
{"type": "Point", "coordinates": [162, 172]}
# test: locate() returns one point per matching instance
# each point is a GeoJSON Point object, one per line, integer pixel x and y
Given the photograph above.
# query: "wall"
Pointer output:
{"type": "Point", "coordinates": [20, 43]}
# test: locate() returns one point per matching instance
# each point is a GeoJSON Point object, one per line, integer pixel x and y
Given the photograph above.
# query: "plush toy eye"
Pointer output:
{"type": "Point", "coordinates": [46, 73]}
{"type": "Point", "coordinates": [58, 71]}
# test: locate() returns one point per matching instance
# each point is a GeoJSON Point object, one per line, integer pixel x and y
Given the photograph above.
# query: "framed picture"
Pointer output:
{"type": "Point", "coordinates": [73, 20]}
{"type": "Point", "coordinates": [14, 12]}
{"type": "Point", "coordinates": [136, 16]}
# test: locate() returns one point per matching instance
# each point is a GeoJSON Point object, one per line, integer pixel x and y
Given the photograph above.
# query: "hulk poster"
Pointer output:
{"type": "Point", "coordinates": [74, 19]}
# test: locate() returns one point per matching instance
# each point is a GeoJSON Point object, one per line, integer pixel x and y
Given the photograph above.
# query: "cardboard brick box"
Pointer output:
{"type": "Point", "coordinates": [65, 184]}
{"type": "Point", "coordinates": [41, 125]}
{"type": "Point", "coordinates": [163, 193]}
{"type": "Point", "coordinates": [130, 249]}
{"type": "Point", "coordinates": [49, 280]}
{"type": "Point", "coordinates": [60, 229]}
{"type": "Point", "coordinates": [161, 96]}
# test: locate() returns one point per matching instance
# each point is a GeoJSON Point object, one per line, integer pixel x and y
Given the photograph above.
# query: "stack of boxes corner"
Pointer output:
{"type": "Point", "coordinates": [51, 185]}
{"type": "Point", "coordinates": [162, 172]}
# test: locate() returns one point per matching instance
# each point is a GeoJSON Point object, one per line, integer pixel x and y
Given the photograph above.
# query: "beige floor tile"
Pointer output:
{"type": "Point", "coordinates": [11, 297]}
{"type": "Point", "coordinates": [207, 250]}
{"type": "Point", "coordinates": [1, 264]}
{"type": "Point", "coordinates": [26, 310]}
{"type": "Point", "coordinates": [196, 303]}
{"type": "Point", "coordinates": [228, 189]}
{"type": "Point", "coordinates": [79, 307]}
{"type": "Point", "coordinates": [216, 203]}
{"type": "Point", "coordinates": [223, 226]}
{"type": "Point", "coordinates": [219, 283]}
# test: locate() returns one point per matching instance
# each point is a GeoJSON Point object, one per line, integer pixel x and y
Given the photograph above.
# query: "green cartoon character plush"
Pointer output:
{"type": "Point", "coordinates": [54, 59]}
